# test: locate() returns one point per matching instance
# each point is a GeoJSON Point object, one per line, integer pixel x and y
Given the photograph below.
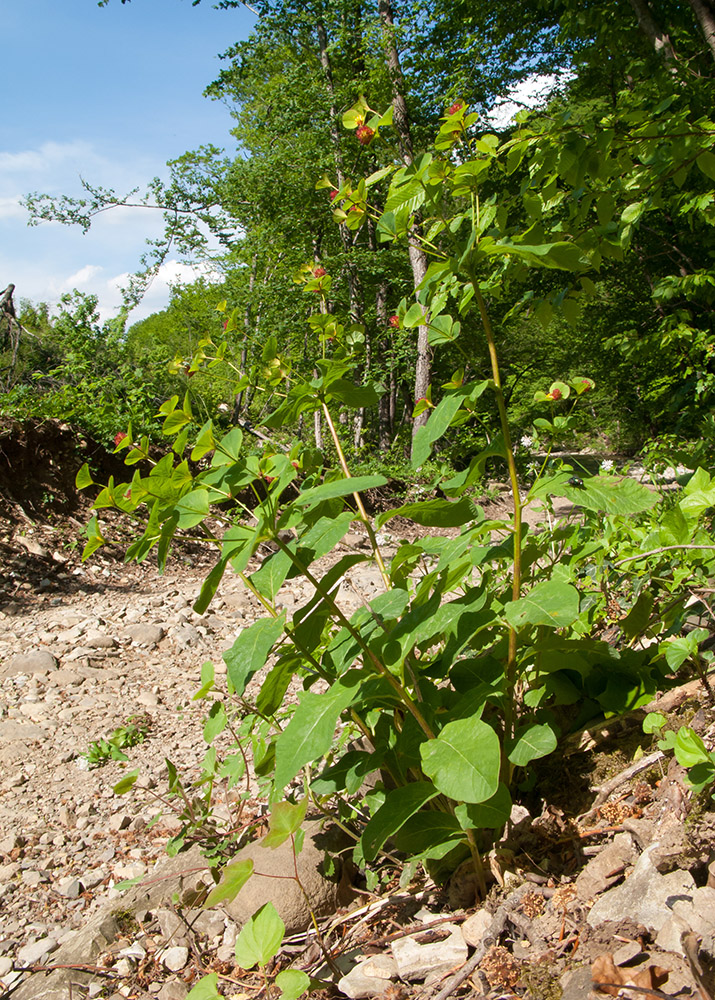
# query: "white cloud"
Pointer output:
{"type": "Point", "coordinates": [83, 278]}
{"type": "Point", "coordinates": [47, 157]}
{"type": "Point", "coordinates": [10, 208]}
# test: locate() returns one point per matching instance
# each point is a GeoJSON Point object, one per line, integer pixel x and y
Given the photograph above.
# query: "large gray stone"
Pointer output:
{"type": "Point", "coordinates": [34, 661]}
{"type": "Point", "coordinates": [84, 948]}
{"type": "Point", "coordinates": [144, 635]}
{"type": "Point", "coordinates": [369, 978]}
{"type": "Point", "coordinates": [417, 961]}
{"type": "Point", "coordinates": [646, 896]}
{"type": "Point", "coordinates": [281, 889]}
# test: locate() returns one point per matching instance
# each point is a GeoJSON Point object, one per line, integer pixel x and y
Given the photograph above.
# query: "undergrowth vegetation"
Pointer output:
{"type": "Point", "coordinates": [488, 645]}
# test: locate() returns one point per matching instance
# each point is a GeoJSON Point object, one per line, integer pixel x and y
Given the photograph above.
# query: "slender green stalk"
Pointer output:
{"type": "Point", "coordinates": [511, 678]}
{"type": "Point", "coordinates": [358, 500]}
{"type": "Point", "coordinates": [380, 668]}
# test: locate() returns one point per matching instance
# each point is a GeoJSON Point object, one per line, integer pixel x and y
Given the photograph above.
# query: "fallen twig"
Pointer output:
{"type": "Point", "coordinates": [604, 790]}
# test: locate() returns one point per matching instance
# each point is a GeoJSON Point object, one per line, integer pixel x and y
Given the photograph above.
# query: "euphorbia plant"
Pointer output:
{"type": "Point", "coordinates": [482, 649]}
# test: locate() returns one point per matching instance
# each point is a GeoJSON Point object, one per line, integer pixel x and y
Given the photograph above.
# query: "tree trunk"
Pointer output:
{"type": "Point", "coordinates": [418, 258]}
{"type": "Point", "coordinates": [705, 15]}
{"type": "Point", "coordinates": [658, 38]}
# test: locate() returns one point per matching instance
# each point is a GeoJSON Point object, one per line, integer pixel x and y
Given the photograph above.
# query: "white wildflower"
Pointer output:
{"type": "Point", "coordinates": [607, 465]}
{"type": "Point", "coordinates": [526, 441]}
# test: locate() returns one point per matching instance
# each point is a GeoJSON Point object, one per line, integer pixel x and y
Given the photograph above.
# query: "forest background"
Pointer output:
{"type": "Point", "coordinates": [638, 320]}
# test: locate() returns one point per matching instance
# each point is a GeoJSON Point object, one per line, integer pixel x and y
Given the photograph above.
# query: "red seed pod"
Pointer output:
{"type": "Point", "coordinates": [119, 437]}
{"type": "Point", "coordinates": [364, 135]}
{"type": "Point", "coordinates": [454, 108]}
{"type": "Point", "coordinates": [394, 321]}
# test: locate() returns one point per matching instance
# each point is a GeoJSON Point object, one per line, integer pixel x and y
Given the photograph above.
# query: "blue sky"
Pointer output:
{"type": "Point", "coordinates": [110, 93]}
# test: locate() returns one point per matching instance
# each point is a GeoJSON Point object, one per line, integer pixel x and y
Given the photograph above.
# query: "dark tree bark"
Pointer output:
{"type": "Point", "coordinates": [658, 38]}
{"type": "Point", "coordinates": [704, 11]}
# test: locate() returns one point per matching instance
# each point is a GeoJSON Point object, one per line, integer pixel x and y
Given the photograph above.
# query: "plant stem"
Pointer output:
{"type": "Point", "coordinates": [477, 862]}
{"type": "Point", "coordinates": [358, 499]}
{"type": "Point", "coordinates": [368, 654]}
{"type": "Point", "coordinates": [665, 548]}
{"type": "Point", "coordinates": [517, 504]}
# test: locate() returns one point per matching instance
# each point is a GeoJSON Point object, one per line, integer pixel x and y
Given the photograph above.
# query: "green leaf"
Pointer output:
{"type": "Point", "coordinates": [128, 883]}
{"type": "Point", "coordinates": [83, 479]}
{"type": "Point", "coordinates": [464, 760]}
{"type": "Point", "coordinates": [706, 163]}
{"type": "Point", "coordinates": [489, 815]}
{"type": "Point", "coordinates": [209, 587]}
{"type": "Point", "coordinates": [561, 255]}
{"type": "Point", "coordinates": [689, 748]}
{"type": "Point", "coordinates": [405, 198]}
{"type": "Point", "coordinates": [207, 680]}
{"type": "Point", "coordinates": [228, 448]}
{"type": "Point", "coordinates": [438, 423]}
{"type": "Point", "coordinates": [193, 508]}
{"type": "Point", "coordinates": [338, 488]}
{"type": "Point", "coordinates": [174, 422]}
{"type": "Point", "coordinates": [215, 722]}
{"type": "Point", "coordinates": [399, 805]}
{"type": "Point", "coordinates": [260, 938]}
{"type": "Point", "coordinates": [434, 513]}
{"type": "Point", "coordinates": [233, 878]}
{"type": "Point", "coordinates": [127, 782]}
{"type": "Point", "coordinates": [530, 743]}
{"type": "Point", "coordinates": [352, 395]}
{"type": "Point", "coordinates": [654, 722]}
{"type": "Point", "coordinates": [551, 602]}
{"type": "Point", "coordinates": [250, 650]}
{"type": "Point", "coordinates": [292, 983]}
{"type": "Point", "coordinates": [613, 495]}
{"type": "Point", "coordinates": [205, 989]}
{"type": "Point", "coordinates": [309, 734]}
{"type": "Point", "coordinates": [285, 819]}
{"type": "Point", "coordinates": [636, 621]}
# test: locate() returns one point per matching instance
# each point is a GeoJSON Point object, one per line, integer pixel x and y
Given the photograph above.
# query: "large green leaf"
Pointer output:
{"type": "Point", "coordinates": [489, 815]}
{"type": "Point", "coordinates": [292, 983]}
{"type": "Point", "coordinates": [562, 255]}
{"type": "Point", "coordinates": [551, 602]}
{"type": "Point", "coordinates": [400, 804]}
{"type": "Point", "coordinates": [530, 743]}
{"type": "Point", "coordinates": [309, 734]}
{"type": "Point", "coordinates": [338, 488]}
{"type": "Point", "coordinates": [439, 421]}
{"type": "Point", "coordinates": [205, 989]}
{"type": "Point", "coordinates": [463, 761]}
{"type": "Point", "coordinates": [193, 508]}
{"type": "Point", "coordinates": [233, 878]}
{"type": "Point", "coordinates": [353, 395]}
{"type": "Point", "coordinates": [250, 650]}
{"type": "Point", "coordinates": [285, 819]}
{"type": "Point", "coordinates": [260, 937]}
{"type": "Point", "coordinates": [613, 495]}
{"type": "Point", "coordinates": [434, 513]}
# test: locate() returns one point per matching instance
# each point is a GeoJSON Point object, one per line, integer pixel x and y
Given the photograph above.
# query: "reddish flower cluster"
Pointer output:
{"type": "Point", "coordinates": [394, 321]}
{"type": "Point", "coordinates": [334, 194]}
{"type": "Point", "coordinates": [319, 271]}
{"type": "Point", "coordinates": [555, 394]}
{"type": "Point", "coordinates": [364, 135]}
{"type": "Point", "coordinates": [454, 108]}
{"type": "Point", "coordinates": [119, 437]}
